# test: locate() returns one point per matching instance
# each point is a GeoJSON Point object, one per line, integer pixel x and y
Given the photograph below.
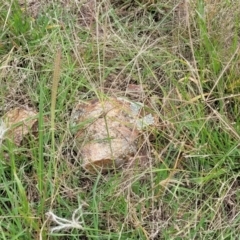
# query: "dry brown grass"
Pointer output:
{"type": "Point", "coordinates": [183, 59]}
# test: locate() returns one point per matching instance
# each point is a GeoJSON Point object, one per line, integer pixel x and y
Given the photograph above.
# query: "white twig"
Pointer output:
{"type": "Point", "coordinates": [3, 130]}
{"type": "Point", "coordinates": [64, 224]}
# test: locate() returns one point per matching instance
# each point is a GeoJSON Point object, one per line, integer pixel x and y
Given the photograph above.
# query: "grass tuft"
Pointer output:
{"type": "Point", "coordinates": [183, 57]}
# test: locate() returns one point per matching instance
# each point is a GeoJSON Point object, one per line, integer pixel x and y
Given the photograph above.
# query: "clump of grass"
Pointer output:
{"type": "Point", "coordinates": [188, 184]}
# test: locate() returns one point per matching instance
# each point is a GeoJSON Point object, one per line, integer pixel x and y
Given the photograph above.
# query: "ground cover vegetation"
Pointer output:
{"type": "Point", "coordinates": [183, 57]}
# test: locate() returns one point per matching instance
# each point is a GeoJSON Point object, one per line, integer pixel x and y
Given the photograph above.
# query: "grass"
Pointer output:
{"type": "Point", "coordinates": [186, 58]}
